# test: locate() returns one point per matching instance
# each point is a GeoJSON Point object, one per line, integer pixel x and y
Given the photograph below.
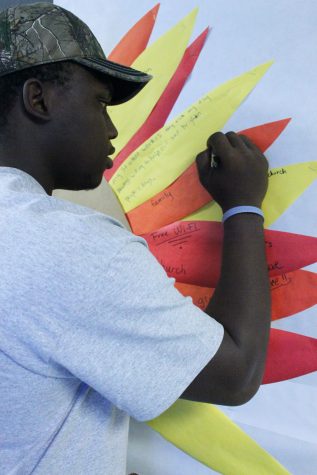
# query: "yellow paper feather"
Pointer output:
{"type": "Point", "coordinates": [209, 436]}
{"type": "Point", "coordinates": [160, 60]}
{"type": "Point", "coordinates": [162, 158]}
{"type": "Point", "coordinates": [286, 184]}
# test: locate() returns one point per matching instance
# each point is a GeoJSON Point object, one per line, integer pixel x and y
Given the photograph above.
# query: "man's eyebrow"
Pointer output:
{"type": "Point", "coordinates": [105, 98]}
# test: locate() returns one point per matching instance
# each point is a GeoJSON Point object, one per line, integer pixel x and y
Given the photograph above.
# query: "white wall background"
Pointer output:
{"type": "Point", "coordinates": [282, 417]}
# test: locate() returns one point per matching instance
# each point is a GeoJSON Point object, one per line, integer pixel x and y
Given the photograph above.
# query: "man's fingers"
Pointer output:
{"type": "Point", "coordinates": [221, 143]}
{"type": "Point", "coordinates": [220, 146]}
{"type": "Point", "coordinates": [225, 146]}
{"type": "Point", "coordinates": [251, 146]}
{"type": "Point", "coordinates": [203, 161]}
{"type": "Point", "coordinates": [203, 167]}
{"type": "Point", "coordinates": [235, 140]}
{"type": "Point", "coordinates": [224, 141]}
{"type": "Point", "coordinates": [249, 143]}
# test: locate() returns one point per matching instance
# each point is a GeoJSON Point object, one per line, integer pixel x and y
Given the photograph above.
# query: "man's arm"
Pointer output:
{"type": "Point", "coordinates": [241, 302]}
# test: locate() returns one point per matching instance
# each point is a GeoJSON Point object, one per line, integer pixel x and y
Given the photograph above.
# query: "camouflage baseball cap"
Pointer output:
{"type": "Point", "coordinates": [43, 33]}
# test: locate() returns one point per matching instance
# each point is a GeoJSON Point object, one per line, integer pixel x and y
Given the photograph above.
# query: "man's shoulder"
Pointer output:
{"type": "Point", "coordinates": [78, 218]}
{"type": "Point", "coordinates": [76, 227]}
{"type": "Point", "coordinates": [36, 224]}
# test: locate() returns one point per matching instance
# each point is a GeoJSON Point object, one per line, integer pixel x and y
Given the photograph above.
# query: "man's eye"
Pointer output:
{"type": "Point", "coordinates": [104, 105]}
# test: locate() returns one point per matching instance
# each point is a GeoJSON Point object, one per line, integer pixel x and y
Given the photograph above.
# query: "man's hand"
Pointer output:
{"type": "Point", "coordinates": [240, 178]}
{"type": "Point", "coordinates": [241, 301]}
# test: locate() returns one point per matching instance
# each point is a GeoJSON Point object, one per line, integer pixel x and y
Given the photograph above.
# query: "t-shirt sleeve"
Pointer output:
{"type": "Point", "coordinates": [132, 336]}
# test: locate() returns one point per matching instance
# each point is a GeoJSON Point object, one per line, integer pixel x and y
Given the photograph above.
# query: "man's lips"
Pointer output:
{"type": "Point", "coordinates": [112, 150]}
{"type": "Point", "coordinates": [109, 161]}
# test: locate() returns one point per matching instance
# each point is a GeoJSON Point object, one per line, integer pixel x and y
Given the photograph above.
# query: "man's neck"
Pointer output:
{"type": "Point", "coordinates": [28, 162]}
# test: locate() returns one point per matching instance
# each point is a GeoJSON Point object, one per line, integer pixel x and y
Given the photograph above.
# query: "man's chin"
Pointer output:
{"type": "Point", "coordinates": [84, 184]}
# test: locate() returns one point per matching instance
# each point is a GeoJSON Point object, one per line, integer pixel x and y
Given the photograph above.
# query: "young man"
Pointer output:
{"type": "Point", "coordinates": [91, 330]}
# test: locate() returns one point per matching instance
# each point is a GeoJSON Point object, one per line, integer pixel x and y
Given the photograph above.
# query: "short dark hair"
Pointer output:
{"type": "Point", "coordinates": [59, 73]}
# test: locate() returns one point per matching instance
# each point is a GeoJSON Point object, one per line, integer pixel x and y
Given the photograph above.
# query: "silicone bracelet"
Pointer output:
{"type": "Point", "coordinates": [241, 209]}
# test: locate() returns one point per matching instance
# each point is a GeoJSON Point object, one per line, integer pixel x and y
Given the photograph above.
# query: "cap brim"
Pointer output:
{"type": "Point", "coordinates": [127, 81]}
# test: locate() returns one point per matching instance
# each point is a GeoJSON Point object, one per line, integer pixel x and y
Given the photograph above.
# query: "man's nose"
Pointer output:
{"type": "Point", "coordinates": [112, 131]}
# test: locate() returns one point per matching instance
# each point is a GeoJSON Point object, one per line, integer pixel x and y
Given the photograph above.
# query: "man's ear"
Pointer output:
{"type": "Point", "coordinates": [36, 99]}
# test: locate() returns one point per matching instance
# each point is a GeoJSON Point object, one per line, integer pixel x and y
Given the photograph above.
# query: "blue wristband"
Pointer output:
{"type": "Point", "coordinates": [241, 209]}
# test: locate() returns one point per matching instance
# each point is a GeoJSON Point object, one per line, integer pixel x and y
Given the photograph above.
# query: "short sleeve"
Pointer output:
{"type": "Point", "coordinates": [132, 336]}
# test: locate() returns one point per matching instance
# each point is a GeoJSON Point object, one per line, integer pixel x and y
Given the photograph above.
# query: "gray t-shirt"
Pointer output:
{"type": "Point", "coordinates": [91, 332]}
